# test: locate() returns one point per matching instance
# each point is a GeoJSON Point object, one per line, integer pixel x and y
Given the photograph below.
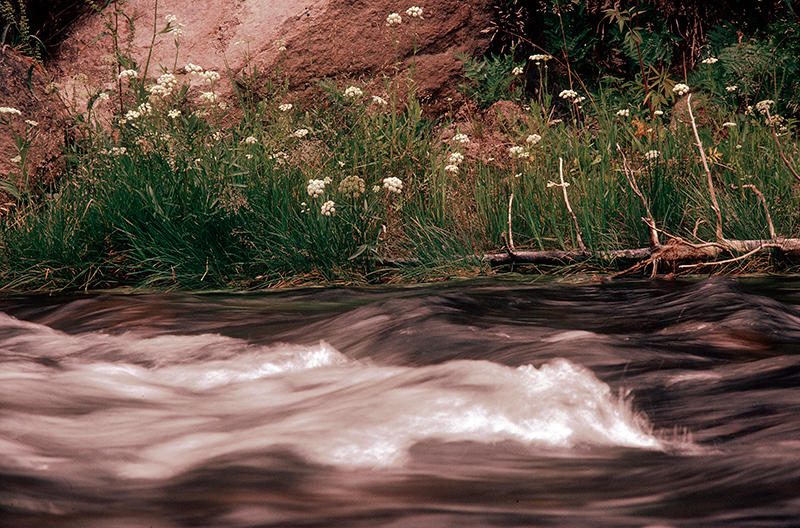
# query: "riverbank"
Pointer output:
{"type": "Point", "coordinates": [181, 190]}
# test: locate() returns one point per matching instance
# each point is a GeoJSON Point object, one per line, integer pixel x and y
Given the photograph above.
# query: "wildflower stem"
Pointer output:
{"type": "Point", "coordinates": [778, 143]}
{"type": "Point", "coordinates": [566, 201]}
{"type": "Point", "coordinates": [152, 42]}
{"type": "Point", "coordinates": [714, 204]}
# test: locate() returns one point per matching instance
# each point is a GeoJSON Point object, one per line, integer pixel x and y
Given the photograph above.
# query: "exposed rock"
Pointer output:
{"type": "Point", "coordinates": [344, 40]}
{"type": "Point", "coordinates": [42, 118]}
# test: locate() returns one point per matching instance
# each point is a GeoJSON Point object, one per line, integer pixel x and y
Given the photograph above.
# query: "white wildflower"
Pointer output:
{"type": "Point", "coordinates": [393, 184]}
{"type": "Point", "coordinates": [9, 110]}
{"type": "Point", "coordinates": [210, 76]}
{"type": "Point", "coordinates": [461, 138]}
{"type": "Point", "coordinates": [281, 44]}
{"type": "Point", "coordinates": [16, 159]}
{"type": "Point", "coordinates": [658, 112]}
{"type": "Point", "coordinates": [193, 69]}
{"type": "Point", "coordinates": [540, 57]}
{"type": "Point", "coordinates": [128, 74]}
{"type": "Point", "coordinates": [728, 124]}
{"type": "Point", "coordinates": [455, 158]}
{"type": "Point", "coordinates": [624, 112]}
{"type": "Point", "coordinates": [379, 100]}
{"type": "Point", "coordinates": [732, 88]}
{"type": "Point", "coordinates": [172, 114]}
{"type": "Point", "coordinates": [210, 97]}
{"type": "Point", "coordinates": [315, 188]}
{"type": "Point", "coordinates": [328, 208]}
{"type": "Point", "coordinates": [710, 60]}
{"type": "Point", "coordinates": [451, 168]}
{"type": "Point", "coordinates": [31, 122]}
{"type": "Point", "coordinates": [170, 18]}
{"type": "Point", "coordinates": [300, 133]}
{"type": "Point", "coordinates": [517, 71]}
{"type": "Point", "coordinates": [680, 89]}
{"type": "Point", "coordinates": [285, 107]}
{"type": "Point", "coordinates": [650, 155]}
{"type": "Point", "coordinates": [763, 106]}
{"type": "Point", "coordinates": [414, 12]}
{"type": "Point", "coordinates": [518, 152]}
{"type": "Point", "coordinates": [568, 94]}
{"type": "Point", "coordinates": [352, 186]}
{"type": "Point", "coordinates": [353, 91]}
{"type": "Point", "coordinates": [250, 140]}
{"type": "Point", "coordinates": [533, 139]}
{"type": "Point", "coordinates": [394, 19]}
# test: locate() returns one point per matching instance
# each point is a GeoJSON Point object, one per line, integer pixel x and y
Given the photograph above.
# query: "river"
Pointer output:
{"type": "Point", "coordinates": [477, 403]}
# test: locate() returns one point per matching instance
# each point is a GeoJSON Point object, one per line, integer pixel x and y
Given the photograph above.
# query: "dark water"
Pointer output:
{"type": "Point", "coordinates": [477, 404]}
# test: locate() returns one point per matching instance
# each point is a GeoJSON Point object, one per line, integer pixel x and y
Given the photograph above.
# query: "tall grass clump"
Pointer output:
{"type": "Point", "coordinates": [169, 186]}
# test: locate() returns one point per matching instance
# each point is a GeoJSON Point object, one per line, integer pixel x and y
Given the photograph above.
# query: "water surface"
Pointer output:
{"type": "Point", "coordinates": [630, 403]}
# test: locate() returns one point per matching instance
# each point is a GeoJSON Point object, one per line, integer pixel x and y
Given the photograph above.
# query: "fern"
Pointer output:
{"type": "Point", "coordinates": [489, 80]}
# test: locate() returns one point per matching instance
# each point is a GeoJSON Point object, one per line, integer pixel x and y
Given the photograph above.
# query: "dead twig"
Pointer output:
{"type": "Point", "coordinates": [731, 260]}
{"type": "Point", "coordinates": [766, 209]}
{"type": "Point", "coordinates": [714, 204]}
{"type": "Point", "coordinates": [566, 201]}
{"type": "Point", "coordinates": [651, 223]}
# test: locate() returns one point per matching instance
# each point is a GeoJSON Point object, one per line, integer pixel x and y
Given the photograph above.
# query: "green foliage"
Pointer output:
{"type": "Point", "coordinates": [489, 80]}
{"type": "Point", "coordinates": [16, 30]}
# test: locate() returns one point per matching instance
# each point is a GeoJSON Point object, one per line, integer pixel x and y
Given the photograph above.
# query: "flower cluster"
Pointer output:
{"type": "Point", "coordinates": [281, 44]}
{"type": "Point", "coordinates": [680, 89]}
{"type": "Point", "coordinates": [250, 140]}
{"type": "Point", "coordinates": [193, 69]}
{"type": "Point", "coordinates": [540, 57]}
{"type": "Point", "coordinates": [328, 208]}
{"type": "Point", "coordinates": [9, 110]}
{"type": "Point", "coordinates": [732, 88]}
{"type": "Point", "coordinates": [315, 188]}
{"type": "Point", "coordinates": [624, 112]}
{"type": "Point", "coordinates": [172, 114]}
{"type": "Point", "coordinates": [568, 94]}
{"type": "Point", "coordinates": [651, 155]}
{"type": "Point", "coordinates": [114, 151]}
{"type": "Point", "coordinates": [210, 97]}
{"type": "Point", "coordinates": [379, 100]}
{"type": "Point", "coordinates": [518, 152]}
{"type": "Point", "coordinates": [285, 107]}
{"type": "Point", "coordinates": [142, 109]}
{"type": "Point", "coordinates": [461, 138]}
{"type": "Point", "coordinates": [393, 184]}
{"type": "Point", "coordinates": [517, 71]}
{"type": "Point", "coordinates": [394, 19]}
{"type": "Point", "coordinates": [210, 76]}
{"type": "Point", "coordinates": [352, 186]}
{"type": "Point", "coordinates": [728, 124]}
{"type": "Point", "coordinates": [353, 91]}
{"type": "Point", "coordinates": [128, 74]}
{"type": "Point", "coordinates": [453, 161]}
{"type": "Point", "coordinates": [763, 106]}
{"type": "Point", "coordinates": [414, 12]}
{"type": "Point", "coordinates": [165, 85]}
{"type": "Point", "coordinates": [533, 139]}
{"type": "Point", "coordinates": [709, 60]}
{"type": "Point", "coordinates": [300, 133]}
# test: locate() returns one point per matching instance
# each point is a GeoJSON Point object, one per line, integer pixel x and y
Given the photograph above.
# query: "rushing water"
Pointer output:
{"type": "Point", "coordinates": [475, 404]}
